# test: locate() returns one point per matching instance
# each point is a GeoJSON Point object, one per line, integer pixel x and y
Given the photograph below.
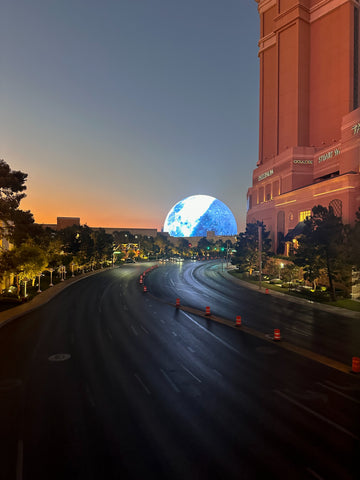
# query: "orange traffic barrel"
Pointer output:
{"type": "Point", "coordinates": [276, 334]}
{"type": "Point", "coordinates": [207, 310]}
{"type": "Point", "coordinates": [145, 288]}
{"type": "Point", "coordinates": [141, 281]}
{"type": "Point", "coordinates": [355, 365]}
{"type": "Point", "coordinates": [266, 291]}
{"type": "Point", "coordinates": [238, 321]}
{"type": "Point", "coordinates": [177, 304]}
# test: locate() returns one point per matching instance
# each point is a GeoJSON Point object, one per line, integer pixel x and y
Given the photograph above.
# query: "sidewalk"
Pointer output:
{"type": "Point", "coordinates": [300, 301]}
{"type": "Point", "coordinates": [42, 298]}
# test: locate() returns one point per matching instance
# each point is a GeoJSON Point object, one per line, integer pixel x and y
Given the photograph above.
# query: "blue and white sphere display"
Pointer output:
{"type": "Point", "coordinates": [196, 215]}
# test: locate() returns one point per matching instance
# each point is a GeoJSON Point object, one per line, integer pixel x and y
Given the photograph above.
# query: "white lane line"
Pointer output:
{"type": "Point", "coordinates": [230, 347]}
{"type": "Point", "coordinates": [134, 330]}
{"type": "Point", "coordinates": [339, 393]}
{"type": "Point", "coordinates": [175, 388]}
{"type": "Point", "coordinates": [145, 330]}
{"type": "Point", "coordinates": [142, 384]}
{"type": "Point", "coordinates": [162, 321]}
{"type": "Point", "coordinates": [314, 474]}
{"type": "Point", "coordinates": [190, 373]}
{"type": "Point", "coordinates": [312, 412]}
{"type": "Point", "coordinates": [190, 349]}
{"type": "Point", "coordinates": [174, 333]}
{"type": "Point", "coordinates": [19, 460]}
{"type": "Point", "coordinates": [108, 333]}
{"type": "Point", "coordinates": [217, 372]}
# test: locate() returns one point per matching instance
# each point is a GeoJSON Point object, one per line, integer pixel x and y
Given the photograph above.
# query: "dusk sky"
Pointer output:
{"type": "Point", "coordinates": [118, 109]}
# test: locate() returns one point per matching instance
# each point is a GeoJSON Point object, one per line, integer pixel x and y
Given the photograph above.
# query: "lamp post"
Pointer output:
{"type": "Point", "coordinates": [72, 269]}
{"type": "Point", "coordinates": [25, 283]}
{"type": "Point", "coordinates": [39, 289]}
{"type": "Point", "coordinates": [51, 272]}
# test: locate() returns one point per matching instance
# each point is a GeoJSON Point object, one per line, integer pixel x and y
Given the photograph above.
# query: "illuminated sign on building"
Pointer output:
{"type": "Point", "coordinates": [327, 155]}
{"type": "Point", "coordinates": [265, 174]}
{"type": "Point", "coordinates": [303, 162]}
{"type": "Point", "coordinates": [356, 128]}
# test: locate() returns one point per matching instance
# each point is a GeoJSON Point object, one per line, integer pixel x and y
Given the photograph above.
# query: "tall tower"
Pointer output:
{"type": "Point", "coordinates": [309, 99]}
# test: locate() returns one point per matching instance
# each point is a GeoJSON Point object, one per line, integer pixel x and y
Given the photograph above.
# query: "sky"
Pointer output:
{"type": "Point", "coordinates": [118, 109]}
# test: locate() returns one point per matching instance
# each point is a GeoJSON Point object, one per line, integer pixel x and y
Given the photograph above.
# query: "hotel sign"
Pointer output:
{"type": "Point", "coordinates": [265, 175]}
{"type": "Point", "coordinates": [303, 162]}
{"type": "Point", "coordinates": [327, 155]}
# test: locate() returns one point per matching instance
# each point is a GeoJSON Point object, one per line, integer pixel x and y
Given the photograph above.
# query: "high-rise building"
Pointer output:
{"type": "Point", "coordinates": [309, 132]}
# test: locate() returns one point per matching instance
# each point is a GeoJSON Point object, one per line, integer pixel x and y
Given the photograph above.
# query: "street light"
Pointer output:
{"type": "Point", "coordinates": [51, 272]}
{"type": "Point", "coordinates": [72, 269]}
{"type": "Point", "coordinates": [39, 289]}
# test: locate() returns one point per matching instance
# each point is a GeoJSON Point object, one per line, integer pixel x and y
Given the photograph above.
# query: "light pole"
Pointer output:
{"type": "Point", "coordinates": [260, 254]}
{"type": "Point", "coordinates": [51, 272]}
{"type": "Point", "coordinates": [39, 289]}
{"type": "Point", "coordinates": [72, 269]}
{"type": "Point", "coordinates": [25, 283]}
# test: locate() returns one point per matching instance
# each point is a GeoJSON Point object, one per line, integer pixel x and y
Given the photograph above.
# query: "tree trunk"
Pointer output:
{"type": "Point", "coordinates": [332, 288]}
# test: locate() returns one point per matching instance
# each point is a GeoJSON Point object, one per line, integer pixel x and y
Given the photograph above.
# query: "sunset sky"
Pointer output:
{"type": "Point", "coordinates": [118, 109]}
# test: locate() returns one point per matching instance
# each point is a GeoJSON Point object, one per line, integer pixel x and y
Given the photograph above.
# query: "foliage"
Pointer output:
{"type": "Point", "coordinates": [321, 248]}
{"type": "Point", "coordinates": [246, 257]}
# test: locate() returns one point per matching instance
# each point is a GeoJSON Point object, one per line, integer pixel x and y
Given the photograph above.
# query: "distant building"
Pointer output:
{"type": "Point", "coordinates": [309, 132]}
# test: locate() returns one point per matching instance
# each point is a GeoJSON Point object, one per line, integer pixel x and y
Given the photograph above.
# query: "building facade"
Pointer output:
{"type": "Point", "coordinates": [309, 132]}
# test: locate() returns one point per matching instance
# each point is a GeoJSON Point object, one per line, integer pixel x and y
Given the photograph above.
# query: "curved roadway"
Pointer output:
{"type": "Point", "coordinates": [106, 381]}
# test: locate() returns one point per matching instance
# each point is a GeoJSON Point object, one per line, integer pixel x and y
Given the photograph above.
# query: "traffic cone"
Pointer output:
{"type": "Point", "coordinates": [207, 311]}
{"type": "Point", "coordinates": [355, 365]}
{"type": "Point", "coordinates": [177, 303]}
{"type": "Point", "coordinates": [267, 291]}
{"type": "Point", "coordinates": [238, 321]}
{"type": "Point", "coordinates": [277, 334]}
{"type": "Point", "coordinates": [145, 288]}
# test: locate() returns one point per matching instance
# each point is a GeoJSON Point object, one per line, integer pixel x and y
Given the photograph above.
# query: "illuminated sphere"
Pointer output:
{"type": "Point", "coordinates": [196, 215]}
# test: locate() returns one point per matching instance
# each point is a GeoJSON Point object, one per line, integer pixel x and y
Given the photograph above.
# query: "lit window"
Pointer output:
{"type": "Point", "coordinates": [304, 214]}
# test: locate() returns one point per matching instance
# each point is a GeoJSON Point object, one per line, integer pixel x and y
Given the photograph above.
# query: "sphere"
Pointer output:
{"type": "Point", "coordinates": [196, 215]}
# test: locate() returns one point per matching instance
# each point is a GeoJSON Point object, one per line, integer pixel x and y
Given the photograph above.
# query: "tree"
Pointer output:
{"type": "Point", "coordinates": [12, 186]}
{"type": "Point", "coordinates": [30, 260]}
{"type": "Point", "coordinates": [353, 238]}
{"type": "Point", "coordinates": [246, 257]}
{"type": "Point", "coordinates": [321, 246]}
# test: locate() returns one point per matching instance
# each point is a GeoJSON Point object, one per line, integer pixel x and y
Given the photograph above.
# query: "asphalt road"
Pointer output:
{"type": "Point", "coordinates": [106, 381]}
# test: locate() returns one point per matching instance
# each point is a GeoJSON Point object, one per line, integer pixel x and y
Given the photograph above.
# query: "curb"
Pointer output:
{"type": "Point", "coordinates": [43, 298]}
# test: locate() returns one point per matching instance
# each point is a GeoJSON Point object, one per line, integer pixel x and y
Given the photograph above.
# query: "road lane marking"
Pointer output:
{"type": "Point", "coordinates": [312, 412]}
{"type": "Point", "coordinates": [190, 349]}
{"type": "Point", "coordinates": [230, 347]}
{"type": "Point", "coordinates": [142, 384]}
{"type": "Point", "coordinates": [175, 388]}
{"type": "Point", "coordinates": [174, 333]}
{"type": "Point", "coordinates": [339, 393]}
{"type": "Point", "coordinates": [20, 460]}
{"type": "Point", "coordinates": [314, 474]}
{"type": "Point", "coordinates": [145, 330]}
{"type": "Point", "coordinates": [134, 330]}
{"type": "Point", "coordinates": [217, 372]}
{"type": "Point", "coordinates": [190, 373]}
{"type": "Point", "coordinates": [346, 388]}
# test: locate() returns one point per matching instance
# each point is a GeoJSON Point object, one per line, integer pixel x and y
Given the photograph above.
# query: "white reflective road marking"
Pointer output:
{"type": "Point", "coordinates": [134, 330]}
{"type": "Point", "coordinates": [230, 347]}
{"type": "Point", "coordinates": [142, 384]}
{"type": "Point", "coordinates": [175, 388]}
{"type": "Point", "coordinates": [339, 393]}
{"type": "Point", "coordinates": [312, 412]}
{"type": "Point", "coordinates": [190, 373]}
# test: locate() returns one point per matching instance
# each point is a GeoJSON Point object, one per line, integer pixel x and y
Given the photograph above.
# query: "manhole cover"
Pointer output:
{"type": "Point", "coordinates": [59, 357]}
{"type": "Point", "coordinates": [9, 384]}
